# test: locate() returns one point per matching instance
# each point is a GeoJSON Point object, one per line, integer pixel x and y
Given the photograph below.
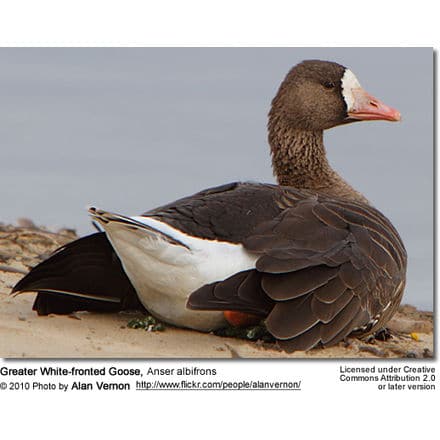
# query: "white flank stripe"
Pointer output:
{"type": "Point", "coordinates": [165, 274]}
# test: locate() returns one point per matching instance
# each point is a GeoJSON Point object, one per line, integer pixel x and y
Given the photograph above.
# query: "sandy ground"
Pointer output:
{"type": "Point", "coordinates": [93, 335]}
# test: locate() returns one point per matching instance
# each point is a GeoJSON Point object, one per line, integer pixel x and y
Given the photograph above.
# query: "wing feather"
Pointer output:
{"type": "Point", "coordinates": [326, 267]}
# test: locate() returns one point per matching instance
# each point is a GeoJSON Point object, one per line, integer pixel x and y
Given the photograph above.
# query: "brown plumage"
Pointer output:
{"type": "Point", "coordinates": [326, 267]}
{"type": "Point", "coordinates": [301, 110]}
{"type": "Point", "coordinates": [327, 263]}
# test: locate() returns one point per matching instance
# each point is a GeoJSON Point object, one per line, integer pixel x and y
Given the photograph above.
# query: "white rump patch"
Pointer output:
{"type": "Point", "coordinates": [349, 82]}
{"type": "Point", "coordinates": [164, 274]}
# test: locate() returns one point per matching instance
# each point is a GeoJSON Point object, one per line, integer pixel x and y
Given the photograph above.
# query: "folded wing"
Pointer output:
{"type": "Point", "coordinates": [327, 267]}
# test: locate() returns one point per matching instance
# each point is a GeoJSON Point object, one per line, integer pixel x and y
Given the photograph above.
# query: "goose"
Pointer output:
{"type": "Point", "coordinates": [310, 256]}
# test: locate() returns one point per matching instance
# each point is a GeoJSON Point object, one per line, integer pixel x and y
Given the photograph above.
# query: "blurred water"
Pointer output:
{"type": "Point", "coordinates": [129, 129]}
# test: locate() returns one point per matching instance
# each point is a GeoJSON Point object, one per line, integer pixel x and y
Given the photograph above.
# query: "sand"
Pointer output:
{"type": "Point", "coordinates": [95, 335]}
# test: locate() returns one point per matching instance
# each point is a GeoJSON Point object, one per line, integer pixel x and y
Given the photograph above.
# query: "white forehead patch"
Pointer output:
{"type": "Point", "coordinates": [349, 82]}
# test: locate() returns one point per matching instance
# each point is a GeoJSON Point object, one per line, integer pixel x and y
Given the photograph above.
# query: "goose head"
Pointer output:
{"type": "Point", "coordinates": [314, 96]}
{"type": "Point", "coordinates": [317, 95]}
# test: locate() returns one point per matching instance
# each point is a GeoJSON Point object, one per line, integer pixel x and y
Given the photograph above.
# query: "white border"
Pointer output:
{"type": "Point", "coordinates": [216, 23]}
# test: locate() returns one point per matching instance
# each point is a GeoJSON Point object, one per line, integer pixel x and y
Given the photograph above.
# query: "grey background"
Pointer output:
{"type": "Point", "coordinates": [129, 129]}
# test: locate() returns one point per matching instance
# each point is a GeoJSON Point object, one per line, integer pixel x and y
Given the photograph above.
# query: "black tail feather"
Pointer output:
{"type": "Point", "coordinates": [85, 274]}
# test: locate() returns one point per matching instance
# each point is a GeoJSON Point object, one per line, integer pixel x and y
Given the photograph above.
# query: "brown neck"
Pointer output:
{"type": "Point", "coordinates": [299, 159]}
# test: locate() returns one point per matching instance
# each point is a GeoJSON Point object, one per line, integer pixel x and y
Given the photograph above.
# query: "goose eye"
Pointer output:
{"type": "Point", "coordinates": [329, 85]}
